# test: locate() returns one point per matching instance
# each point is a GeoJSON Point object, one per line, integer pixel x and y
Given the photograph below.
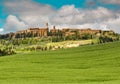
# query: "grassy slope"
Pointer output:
{"type": "Point", "coordinates": [90, 64]}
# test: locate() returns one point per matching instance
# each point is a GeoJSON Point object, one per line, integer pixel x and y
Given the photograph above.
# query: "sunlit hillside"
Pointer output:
{"type": "Point", "coordinates": [88, 64]}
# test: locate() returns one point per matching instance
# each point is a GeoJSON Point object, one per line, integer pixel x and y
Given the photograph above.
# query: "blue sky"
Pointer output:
{"type": "Point", "coordinates": [26, 13]}
{"type": "Point", "coordinates": [1, 15]}
{"type": "Point", "coordinates": [60, 3]}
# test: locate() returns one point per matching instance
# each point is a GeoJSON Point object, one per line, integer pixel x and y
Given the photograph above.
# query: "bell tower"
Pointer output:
{"type": "Point", "coordinates": [47, 28]}
{"type": "Point", "coordinates": [46, 25]}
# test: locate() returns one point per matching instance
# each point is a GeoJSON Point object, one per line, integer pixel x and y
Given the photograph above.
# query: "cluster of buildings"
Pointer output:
{"type": "Point", "coordinates": [44, 32]}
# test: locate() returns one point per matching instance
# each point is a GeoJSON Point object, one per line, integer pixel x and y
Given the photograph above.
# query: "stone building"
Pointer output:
{"type": "Point", "coordinates": [44, 32]}
{"type": "Point", "coordinates": [40, 32]}
{"type": "Point", "coordinates": [35, 32]}
{"type": "Point", "coordinates": [71, 32]}
{"type": "Point", "coordinates": [89, 31]}
{"type": "Point", "coordinates": [54, 30]}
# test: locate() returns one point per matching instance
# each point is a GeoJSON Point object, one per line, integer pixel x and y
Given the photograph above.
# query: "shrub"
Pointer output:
{"type": "Point", "coordinates": [6, 51]}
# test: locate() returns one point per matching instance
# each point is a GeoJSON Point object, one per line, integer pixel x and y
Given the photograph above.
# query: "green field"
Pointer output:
{"type": "Point", "coordinates": [88, 64]}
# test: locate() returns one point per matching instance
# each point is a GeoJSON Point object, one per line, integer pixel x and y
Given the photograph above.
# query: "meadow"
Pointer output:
{"type": "Point", "coordinates": [87, 64]}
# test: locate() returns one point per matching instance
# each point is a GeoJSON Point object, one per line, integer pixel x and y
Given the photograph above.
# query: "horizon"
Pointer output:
{"type": "Point", "coordinates": [95, 14]}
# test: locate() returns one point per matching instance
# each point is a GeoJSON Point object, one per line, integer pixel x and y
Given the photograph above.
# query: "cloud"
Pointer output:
{"type": "Point", "coordinates": [27, 13]}
{"type": "Point", "coordinates": [71, 15]}
{"type": "Point", "coordinates": [1, 30]}
{"type": "Point", "coordinates": [90, 3]}
{"type": "Point", "coordinates": [32, 13]}
{"type": "Point", "coordinates": [110, 1]}
{"type": "Point", "coordinates": [27, 7]}
{"type": "Point", "coordinates": [35, 21]}
{"type": "Point", "coordinates": [114, 24]}
{"type": "Point", "coordinates": [94, 2]}
{"type": "Point", "coordinates": [14, 24]}
{"type": "Point", "coordinates": [65, 15]}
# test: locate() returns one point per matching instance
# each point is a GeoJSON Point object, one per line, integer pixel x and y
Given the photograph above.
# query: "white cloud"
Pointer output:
{"type": "Point", "coordinates": [1, 30]}
{"type": "Point", "coordinates": [72, 15]}
{"type": "Point", "coordinates": [67, 15]}
{"type": "Point", "coordinates": [35, 21]}
{"type": "Point", "coordinates": [114, 24]}
{"type": "Point", "coordinates": [32, 13]}
{"type": "Point", "coordinates": [67, 10]}
{"type": "Point", "coordinates": [14, 24]}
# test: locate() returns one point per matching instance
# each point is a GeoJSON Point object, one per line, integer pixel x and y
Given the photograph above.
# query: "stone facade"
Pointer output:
{"type": "Point", "coordinates": [71, 32]}
{"type": "Point", "coordinates": [41, 32]}
{"type": "Point", "coordinates": [89, 31]}
{"type": "Point", "coordinates": [54, 30]}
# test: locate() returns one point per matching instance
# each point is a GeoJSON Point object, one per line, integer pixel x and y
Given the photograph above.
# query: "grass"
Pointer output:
{"type": "Point", "coordinates": [88, 64]}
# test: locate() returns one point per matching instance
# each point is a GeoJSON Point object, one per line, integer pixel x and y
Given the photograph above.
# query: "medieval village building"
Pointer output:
{"type": "Point", "coordinates": [45, 32]}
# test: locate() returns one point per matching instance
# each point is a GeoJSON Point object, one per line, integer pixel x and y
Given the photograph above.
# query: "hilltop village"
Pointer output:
{"type": "Point", "coordinates": [46, 38]}
{"type": "Point", "coordinates": [63, 32]}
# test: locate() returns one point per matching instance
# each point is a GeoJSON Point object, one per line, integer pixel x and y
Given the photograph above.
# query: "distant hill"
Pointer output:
{"type": "Point", "coordinates": [34, 39]}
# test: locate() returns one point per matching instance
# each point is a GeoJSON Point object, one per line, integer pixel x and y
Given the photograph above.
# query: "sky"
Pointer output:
{"type": "Point", "coordinates": [18, 15]}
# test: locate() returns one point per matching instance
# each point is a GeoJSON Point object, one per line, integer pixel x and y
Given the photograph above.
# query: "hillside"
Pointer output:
{"type": "Point", "coordinates": [88, 64]}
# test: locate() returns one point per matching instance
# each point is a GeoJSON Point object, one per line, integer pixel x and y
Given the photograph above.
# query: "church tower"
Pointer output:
{"type": "Point", "coordinates": [46, 25]}
{"type": "Point", "coordinates": [47, 28]}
